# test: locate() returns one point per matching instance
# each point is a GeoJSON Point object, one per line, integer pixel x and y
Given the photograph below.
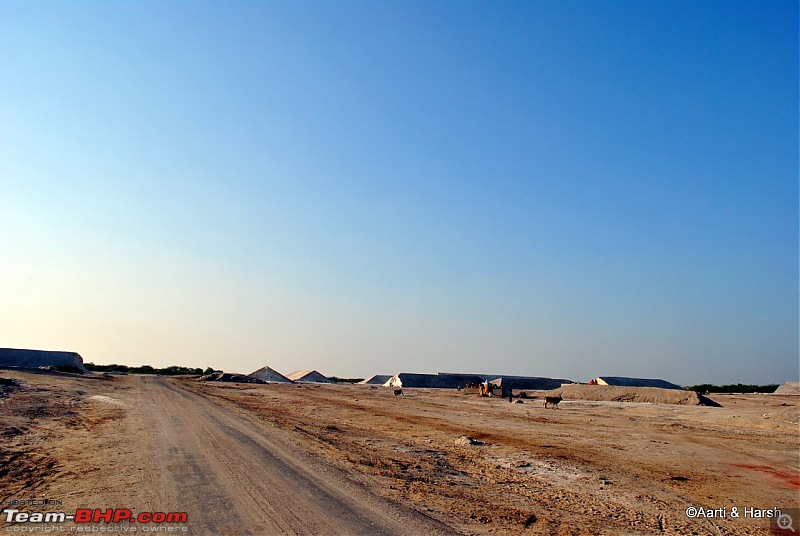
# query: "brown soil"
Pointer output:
{"type": "Point", "coordinates": [589, 467]}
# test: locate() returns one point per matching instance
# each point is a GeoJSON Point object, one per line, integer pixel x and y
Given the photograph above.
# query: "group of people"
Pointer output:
{"type": "Point", "coordinates": [485, 389]}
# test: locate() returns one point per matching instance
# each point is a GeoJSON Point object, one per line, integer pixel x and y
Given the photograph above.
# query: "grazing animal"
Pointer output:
{"type": "Point", "coordinates": [552, 400]}
{"type": "Point", "coordinates": [398, 392]}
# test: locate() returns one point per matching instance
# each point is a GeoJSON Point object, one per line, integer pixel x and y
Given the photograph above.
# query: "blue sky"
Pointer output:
{"type": "Point", "coordinates": [564, 189]}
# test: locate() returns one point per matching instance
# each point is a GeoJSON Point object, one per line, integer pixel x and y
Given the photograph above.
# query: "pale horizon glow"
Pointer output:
{"type": "Point", "coordinates": [536, 188]}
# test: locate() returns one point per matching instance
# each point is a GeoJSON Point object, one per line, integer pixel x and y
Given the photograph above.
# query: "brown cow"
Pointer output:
{"type": "Point", "coordinates": [552, 400]}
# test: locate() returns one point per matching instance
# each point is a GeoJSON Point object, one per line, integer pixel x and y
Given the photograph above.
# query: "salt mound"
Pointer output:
{"type": "Point", "coordinates": [228, 377]}
{"type": "Point", "coordinates": [609, 393]}
{"type": "Point", "coordinates": [788, 388]}
{"type": "Point", "coordinates": [269, 375]}
{"type": "Point", "coordinates": [13, 357]}
{"type": "Point", "coordinates": [378, 379]}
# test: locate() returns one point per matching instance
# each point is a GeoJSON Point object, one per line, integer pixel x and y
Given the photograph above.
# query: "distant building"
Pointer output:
{"type": "Point", "coordinates": [308, 376]}
{"type": "Point", "coordinates": [621, 381]}
{"type": "Point", "coordinates": [269, 375]}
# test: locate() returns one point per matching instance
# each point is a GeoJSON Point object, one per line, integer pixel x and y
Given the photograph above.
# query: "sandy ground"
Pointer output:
{"type": "Point", "coordinates": [341, 459]}
{"type": "Point", "coordinates": [145, 443]}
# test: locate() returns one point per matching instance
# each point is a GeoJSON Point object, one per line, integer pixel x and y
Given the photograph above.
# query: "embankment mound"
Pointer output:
{"type": "Point", "coordinates": [653, 395]}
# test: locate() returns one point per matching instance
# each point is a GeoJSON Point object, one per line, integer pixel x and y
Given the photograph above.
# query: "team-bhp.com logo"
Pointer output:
{"type": "Point", "coordinates": [96, 515]}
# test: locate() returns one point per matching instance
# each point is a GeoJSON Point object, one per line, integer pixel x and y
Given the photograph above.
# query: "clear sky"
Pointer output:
{"type": "Point", "coordinates": [554, 188]}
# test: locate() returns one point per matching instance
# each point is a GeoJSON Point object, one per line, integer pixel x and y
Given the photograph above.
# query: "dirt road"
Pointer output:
{"type": "Point", "coordinates": [231, 473]}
